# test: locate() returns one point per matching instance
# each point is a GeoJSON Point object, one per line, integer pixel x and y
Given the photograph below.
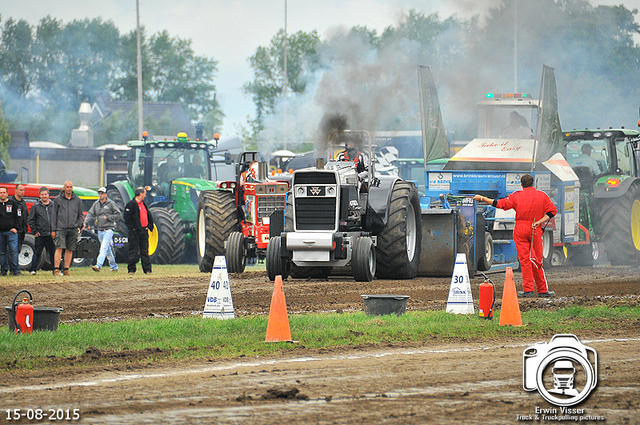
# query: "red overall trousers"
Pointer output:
{"type": "Point", "coordinates": [530, 205]}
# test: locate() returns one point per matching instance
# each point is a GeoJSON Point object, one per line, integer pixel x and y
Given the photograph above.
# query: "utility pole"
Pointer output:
{"type": "Point", "coordinates": [139, 55]}
{"type": "Point", "coordinates": [515, 46]}
{"type": "Point", "coordinates": [285, 85]}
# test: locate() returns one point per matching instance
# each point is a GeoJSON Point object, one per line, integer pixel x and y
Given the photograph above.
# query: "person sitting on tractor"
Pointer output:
{"type": "Point", "coordinates": [250, 174]}
{"type": "Point", "coordinates": [195, 169]}
{"type": "Point", "coordinates": [585, 160]}
{"type": "Point", "coordinates": [517, 129]}
{"type": "Point", "coordinates": [167, 172]}
{"type": "Point", "coordinates": [352, 153]}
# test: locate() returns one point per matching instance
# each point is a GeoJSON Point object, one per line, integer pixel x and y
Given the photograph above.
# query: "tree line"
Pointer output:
{"type": "Point", "coordinates": [47, 70]}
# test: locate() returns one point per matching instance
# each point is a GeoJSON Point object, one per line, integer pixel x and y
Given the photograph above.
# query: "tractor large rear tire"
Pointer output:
{"type": "Point", "coordinates": [217, 218]}
{"type": "Point", "coordinates": [236, 253]}
{"type": "Point", "coordinates": [399, 243]}
{"type": "Point", "coordinates": [620, 220]}
{"type": "Point", "coordinates": [166, 242]}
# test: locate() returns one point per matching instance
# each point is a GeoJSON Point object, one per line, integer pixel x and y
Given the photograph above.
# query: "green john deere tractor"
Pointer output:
{"type": "Point", "coordinates": [175, 173]}
{"type": "Point", "coordinates": [607, 163]}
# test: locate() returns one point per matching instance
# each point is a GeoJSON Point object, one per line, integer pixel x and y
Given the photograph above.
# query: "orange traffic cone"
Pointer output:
{"type": "Point", "coordinates": [510, 310]}
{"type": "Point", "coordinates": [278, 326]}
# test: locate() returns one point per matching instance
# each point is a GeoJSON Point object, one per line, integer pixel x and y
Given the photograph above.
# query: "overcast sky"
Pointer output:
{"type": "Point", "coordinates": [229, 31]}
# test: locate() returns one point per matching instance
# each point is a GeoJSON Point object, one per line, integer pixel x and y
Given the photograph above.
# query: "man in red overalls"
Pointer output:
{"type": "Point", "coordinates": [533, 208]}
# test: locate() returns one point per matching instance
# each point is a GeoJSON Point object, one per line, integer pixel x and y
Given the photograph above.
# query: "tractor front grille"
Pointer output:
{"type": "Point", "coordinates": [270, 203]}
{"type": "Point", "coordinates": [315, 213]}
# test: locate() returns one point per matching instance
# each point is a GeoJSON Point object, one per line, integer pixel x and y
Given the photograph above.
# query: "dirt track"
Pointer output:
{"type": "Point", "coordinates": [432, 382]}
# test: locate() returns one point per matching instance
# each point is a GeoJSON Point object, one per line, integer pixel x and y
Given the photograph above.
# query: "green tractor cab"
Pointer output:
{"type": "Point", "coordinates": [174, 172]}
{"type": "Point", "coordinates": [606, 161]}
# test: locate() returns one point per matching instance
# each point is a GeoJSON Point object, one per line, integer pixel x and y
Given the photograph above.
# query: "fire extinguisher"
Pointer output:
{"type": "Point", "coordinates": [487, 298]}
{"type": "Point", "coordinates": [23, 314]}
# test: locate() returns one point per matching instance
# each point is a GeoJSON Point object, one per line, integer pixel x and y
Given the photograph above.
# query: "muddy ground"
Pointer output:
{"type": "Point", "coordinates": [431, 382]}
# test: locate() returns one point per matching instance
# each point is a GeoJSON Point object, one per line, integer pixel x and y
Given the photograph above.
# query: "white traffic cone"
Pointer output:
{"type": "Point", "coordinates": [460, 298]}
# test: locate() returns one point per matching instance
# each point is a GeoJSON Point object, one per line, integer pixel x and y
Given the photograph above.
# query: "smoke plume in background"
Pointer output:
{"type": "Point", "coordinates": [377, 89]}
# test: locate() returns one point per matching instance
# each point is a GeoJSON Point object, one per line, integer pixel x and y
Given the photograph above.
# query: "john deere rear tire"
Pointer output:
{"type": "Point", "coordinates": [236, 254]}
{"type": "Point", "coordinates": [399, 243]}
{"type": "Point", "coordinates": [217, 218]}
{"type": "Point", "coordinates": [620, 220]}
{"type": "Point", "coordinates": [166, 241]}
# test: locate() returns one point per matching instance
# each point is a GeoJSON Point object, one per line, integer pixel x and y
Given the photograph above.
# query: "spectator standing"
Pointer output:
{"type": "Point", "coordinates": [40, 223]}
{"type": "Point", "coordinates": [23, 214]}
{"type": "Point", "coordinates": [533, 208]}
{"type": "Point", "coordinates": [103, 214]}
{"type": "Point", "coordinates": [138, 219]}
{"type": "Point", "coordinates": [66, 224]}
{"type": "Point", "coordinates": [9, 222]}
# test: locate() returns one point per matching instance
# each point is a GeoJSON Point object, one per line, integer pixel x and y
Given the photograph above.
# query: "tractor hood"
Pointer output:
{"type": "Point", "coordinates": [198, 184]}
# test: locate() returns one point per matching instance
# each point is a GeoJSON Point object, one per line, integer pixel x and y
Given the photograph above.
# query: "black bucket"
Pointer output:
{"type": "Point", "coordinates": [379, 305]}
{"type": "Point", "coordinates": [44, 318]}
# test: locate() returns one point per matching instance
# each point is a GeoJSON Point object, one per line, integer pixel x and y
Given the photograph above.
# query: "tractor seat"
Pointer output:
{"type": "Point", "coordinates": [587, 179]}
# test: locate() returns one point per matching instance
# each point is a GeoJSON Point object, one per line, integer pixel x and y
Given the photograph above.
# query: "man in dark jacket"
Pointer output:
{"type": "Point", "coordinates": [9, 222]}
{"type": "Point", "coordinates": [23, 214]}
{"type": "Point", "coordinates": [66, 224]}
{"type": "Point", "coordinates": [138, 219]}
{"type": "Point", "coordinates": [40, 223]}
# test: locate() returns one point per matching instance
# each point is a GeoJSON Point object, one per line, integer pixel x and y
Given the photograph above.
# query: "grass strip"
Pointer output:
{"type": "Point", "coordinates": [182, 338]}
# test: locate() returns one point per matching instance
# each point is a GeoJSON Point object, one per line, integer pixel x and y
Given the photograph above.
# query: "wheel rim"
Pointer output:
{"type": "Point", "coordinates": [547, 245]}
{"type": "Point", "coordinates": [557, 258]}
{"type": "Point", "coordinates": [635, 224]}
{"type": "Point", "coordinates": [595, 251]}
{"type": "Point", "coordinates": [488, 251]}
{"type": "Point", "coordinates": [153, 240]}
{"type": "Point", "coordinates": [26, 256]}
{"type": "Point", "coordinates": [410, 231]}
{"type": "Point", "coordinates": [372, 260]}
{"type": "Point", "coordinates": [202, 239]}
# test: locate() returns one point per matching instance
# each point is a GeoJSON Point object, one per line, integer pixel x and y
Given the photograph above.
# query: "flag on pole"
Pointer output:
{"type": "Point", "coordinates": [548, 130]}
{"type": "Point", "coordinates": [434, 139]}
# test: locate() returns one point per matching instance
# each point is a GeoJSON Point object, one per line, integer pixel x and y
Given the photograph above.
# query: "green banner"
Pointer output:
{"type": "Point", "coordinates": [434, 139]}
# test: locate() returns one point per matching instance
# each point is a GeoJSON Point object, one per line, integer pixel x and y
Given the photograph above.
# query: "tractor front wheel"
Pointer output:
{"type": "Point", "coordinates": [363, 260]}
{"type": "Point", "coordinates": [236, 254]}
{"type": "Point", "coordinates": [276, 265]}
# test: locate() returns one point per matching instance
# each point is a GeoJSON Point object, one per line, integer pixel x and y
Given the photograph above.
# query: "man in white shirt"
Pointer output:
{"type": "Point", "coordinates": [516, 129]}
{"type": "Point", "coordinates": [585, 160]}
